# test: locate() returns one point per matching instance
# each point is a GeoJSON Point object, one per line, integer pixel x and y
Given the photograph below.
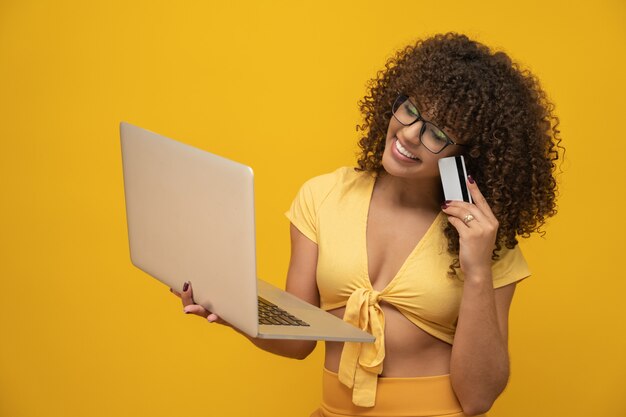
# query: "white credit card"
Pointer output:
{"type": "Point", "coordinates": [454, 178]}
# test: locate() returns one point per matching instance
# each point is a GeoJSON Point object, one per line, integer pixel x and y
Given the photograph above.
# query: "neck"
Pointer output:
{"type": "Point", "coordinates": [418, 194]}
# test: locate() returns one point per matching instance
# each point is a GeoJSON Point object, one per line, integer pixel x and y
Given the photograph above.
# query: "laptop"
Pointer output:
{"type": "Point", "coordinates": [190, 217]}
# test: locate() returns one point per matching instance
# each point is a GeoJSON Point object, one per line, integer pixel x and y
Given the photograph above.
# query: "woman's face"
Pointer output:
{"type": "Point", "coordinates": [406, 157]}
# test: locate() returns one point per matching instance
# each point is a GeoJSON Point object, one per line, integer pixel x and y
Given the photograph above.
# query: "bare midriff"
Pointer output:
{"type": "Point", "coordinates": [409, 350]}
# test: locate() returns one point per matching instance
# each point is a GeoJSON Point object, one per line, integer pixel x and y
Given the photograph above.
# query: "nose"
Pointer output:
{"type": "Point", "coordinates": [412, 132]}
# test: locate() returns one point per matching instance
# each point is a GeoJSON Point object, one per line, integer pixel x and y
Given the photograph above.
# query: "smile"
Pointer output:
{"type": "Point", "coordinates": [403, 150]}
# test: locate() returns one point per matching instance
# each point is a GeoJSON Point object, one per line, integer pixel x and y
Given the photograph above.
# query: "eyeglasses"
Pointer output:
{"type": "Point", "coordinates": [433, 138]}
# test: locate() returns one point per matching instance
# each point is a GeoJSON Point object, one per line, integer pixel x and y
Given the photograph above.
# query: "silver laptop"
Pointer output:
{"type": "Point", "coordinates": [190, 218]}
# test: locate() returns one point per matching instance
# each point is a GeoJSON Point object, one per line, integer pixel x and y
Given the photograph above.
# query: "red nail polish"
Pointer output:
{"type": "Point", "coordinates": [185, 286]}
{"type": "Point", "coordinates": [470, 179]}
{"type": "Point", "coordinates": [444, 205]}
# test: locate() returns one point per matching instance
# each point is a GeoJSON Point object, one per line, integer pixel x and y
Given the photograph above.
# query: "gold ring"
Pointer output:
{"type": "Point", "coordinates": [468, 218]}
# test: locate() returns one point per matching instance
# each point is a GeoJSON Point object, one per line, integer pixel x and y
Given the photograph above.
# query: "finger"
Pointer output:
{"type": "Point", "coordinates": [196, 309]}
{"type": "Point", "coordinates": [176, 293]}
{"type": "Point", "coordinates": [461, 210]}
{"type": "Point", "coordinates": [214, 318]}
{"type": "Point", "coordinates": [478, 197]}
{"type": "Point", "coordinates": [459, 225]}
{"type": "Point", "coordinates": [187, 294]}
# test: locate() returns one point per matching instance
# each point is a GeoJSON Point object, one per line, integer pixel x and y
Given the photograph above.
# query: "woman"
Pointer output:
{"type": "Point", "coordinates": [431, 279]}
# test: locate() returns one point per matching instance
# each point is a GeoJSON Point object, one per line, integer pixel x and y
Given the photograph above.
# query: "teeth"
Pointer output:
{"type": "Point", "coordinates": [403, 150]}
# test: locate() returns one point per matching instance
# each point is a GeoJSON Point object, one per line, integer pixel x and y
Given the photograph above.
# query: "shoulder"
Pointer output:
{"type": "Point", "coordinates": [338, 176]}
{"type": "Point", "coordinates": [305, 209]}
{"type": "Point", "coordinates": [321, 186]}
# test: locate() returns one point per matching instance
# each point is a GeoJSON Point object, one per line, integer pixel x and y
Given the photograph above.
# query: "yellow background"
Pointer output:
{"type": "Point", "coordinates": [274, 85]}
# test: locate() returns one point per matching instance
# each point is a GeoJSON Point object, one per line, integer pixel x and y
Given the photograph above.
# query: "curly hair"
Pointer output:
{"type": "Point", "coordinates": [488, 102]}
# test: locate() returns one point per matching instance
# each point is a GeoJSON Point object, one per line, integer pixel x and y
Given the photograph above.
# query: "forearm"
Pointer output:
{"type": "Point", "coordinates": [479, 365]}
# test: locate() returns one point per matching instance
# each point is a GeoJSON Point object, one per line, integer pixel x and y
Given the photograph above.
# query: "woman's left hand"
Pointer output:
{"type": "Point", "coordinates": [477, 227]}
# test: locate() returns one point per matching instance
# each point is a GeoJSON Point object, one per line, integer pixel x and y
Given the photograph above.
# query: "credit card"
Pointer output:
{"type": "Point", "coordinates": [454, 178]}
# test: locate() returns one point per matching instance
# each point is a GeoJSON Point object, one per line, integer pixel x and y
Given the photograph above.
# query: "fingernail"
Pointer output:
{"type": "Point", "coordinates": [185, 286]}
{"type": "Point", "coordinates": [444, 205]}
{"type": "Point", "coordinates": [470, 179]}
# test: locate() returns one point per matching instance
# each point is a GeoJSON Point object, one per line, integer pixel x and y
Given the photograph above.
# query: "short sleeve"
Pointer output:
{"type": "Point", "coordinates": [304, 210]}
{"type": "Point", "coordinates": [510, 267]}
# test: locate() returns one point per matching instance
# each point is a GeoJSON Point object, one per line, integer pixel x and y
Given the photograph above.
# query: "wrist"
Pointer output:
{"type": "Point", "coordinates": [478, 276]}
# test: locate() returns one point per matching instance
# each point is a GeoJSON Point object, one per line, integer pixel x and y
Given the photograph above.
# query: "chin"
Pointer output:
{"type": "Point", "coordinates": [396, 169]}
{"type": "Point", "coordinates": [417, 170]}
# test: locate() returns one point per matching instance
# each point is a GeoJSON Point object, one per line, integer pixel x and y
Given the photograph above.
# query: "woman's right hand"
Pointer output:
{"type": "Point", "coordinates": [190, 307]}
{"type": "Point", "coordinates": [300, 282]}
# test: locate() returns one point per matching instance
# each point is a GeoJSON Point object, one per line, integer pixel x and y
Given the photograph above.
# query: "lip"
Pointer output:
{"type": "Point", "coordinates": [398, 156]}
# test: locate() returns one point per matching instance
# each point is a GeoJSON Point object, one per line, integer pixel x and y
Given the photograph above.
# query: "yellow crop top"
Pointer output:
{"type": "Point", "coordinates": [332, 211]}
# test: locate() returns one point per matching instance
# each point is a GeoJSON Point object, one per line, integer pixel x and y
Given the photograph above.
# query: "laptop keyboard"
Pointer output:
{"type": "Point", "coordinates": [272, 314]}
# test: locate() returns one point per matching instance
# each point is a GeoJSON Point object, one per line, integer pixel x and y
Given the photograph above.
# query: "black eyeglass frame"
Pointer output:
{"type": "Point", "coordinates": [424, 121]}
